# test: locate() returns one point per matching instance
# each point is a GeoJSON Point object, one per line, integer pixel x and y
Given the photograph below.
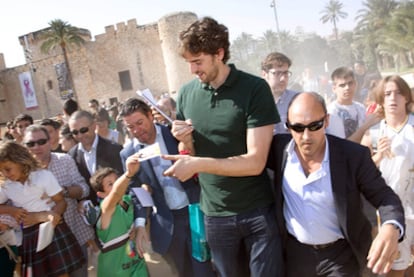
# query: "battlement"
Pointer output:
{"type": "Point", "coordinates": [121, 27]}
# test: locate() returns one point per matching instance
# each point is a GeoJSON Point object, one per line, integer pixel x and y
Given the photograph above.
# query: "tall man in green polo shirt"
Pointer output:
{"type": "Point", "coordinates": [225, 119]}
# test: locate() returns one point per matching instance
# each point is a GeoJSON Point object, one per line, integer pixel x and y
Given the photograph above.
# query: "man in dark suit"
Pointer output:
{"type": "Point", "coordinates": [319, 180]}
{"type": "Point", "coordinates": [169, 228]}
{"type": "Point", "coordinates": [92, 152]}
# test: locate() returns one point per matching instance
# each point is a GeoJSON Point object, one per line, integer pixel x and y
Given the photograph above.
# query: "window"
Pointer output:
{"type": "Point", "coordinates": [49, 85]}
{"type": "Point", "coordinates": [125, 80]}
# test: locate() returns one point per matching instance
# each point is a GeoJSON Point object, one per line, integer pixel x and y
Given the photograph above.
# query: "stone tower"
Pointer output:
{"type": "Point", "coordinates": [169, 28]}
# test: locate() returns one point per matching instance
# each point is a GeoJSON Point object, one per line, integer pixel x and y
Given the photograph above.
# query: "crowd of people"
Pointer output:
{"type": "Point", "coordinates": [291, 183]}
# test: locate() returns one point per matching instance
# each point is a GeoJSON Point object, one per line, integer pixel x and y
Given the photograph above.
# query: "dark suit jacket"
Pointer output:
{"type": "Point", "coordinates": [162, 222]}
{"type": "Point", "coordinates": [352, 172]}
{"type": "Point", "coordinates": [107, 155]}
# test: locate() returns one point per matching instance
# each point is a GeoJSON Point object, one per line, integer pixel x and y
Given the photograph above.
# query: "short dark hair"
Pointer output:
{"type": "Point", "coordinates": [275, 58]}
{"type": "Point", "coordinates": [50, 122]}
{"type": "Point", "coordinates": [70, 106]}
{"type": "Point", "coordinates": [65, 132]}
{"type": "Point", "coordinates": [102, 115]}
{"type": "Point", "coordinates": [205, 36]}
{"type": "Point", "coordinates": [23, 117]}
{"type": "Point", "coordinates": [133, 105]}
{"type": "Point", "coordinates": [342, 72]}
{"type": "Point", "coordinates": [94, 101]}
{"type": "Point", "coordinates": [100, 174]}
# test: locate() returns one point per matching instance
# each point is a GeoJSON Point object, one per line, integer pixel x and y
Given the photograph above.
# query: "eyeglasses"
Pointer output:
{"type": "Point", "coordinates": [82, 130]}
{"type": "Point", "coordinates": [300, 128]}
{"type": "Point", "coordinates": [39, 142]}
{"type": "Point", "coordinates": [279, 74]}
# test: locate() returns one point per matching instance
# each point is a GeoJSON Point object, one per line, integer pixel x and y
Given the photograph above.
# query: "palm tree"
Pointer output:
{"type": "Point", "coordinates": [370, 29]}
{"type": "Point", "coordinates": [269, 41]}
{"type": "Point", "coordinates": [63, 35]}
{"type": "Point", "coordinates": [332, 13]}
{"type": "Point", "coordinates": [397, 38]}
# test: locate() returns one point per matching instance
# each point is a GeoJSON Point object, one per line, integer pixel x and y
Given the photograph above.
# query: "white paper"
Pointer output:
{"type": "Point", "coordinates": [147, 95]}
{"type": "Point", "coordinates": [46, 232]}
{"type": "Point", "coordinates": [144, 197]}
{"type": "Point", "coordinates": [149, 152]}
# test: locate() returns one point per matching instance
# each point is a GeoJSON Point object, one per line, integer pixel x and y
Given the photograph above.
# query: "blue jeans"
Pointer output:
{"type": "Point", "coordinates": [247, 244]}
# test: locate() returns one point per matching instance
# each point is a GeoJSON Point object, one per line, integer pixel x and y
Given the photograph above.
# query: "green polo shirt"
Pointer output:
{"type": "Point", "coordinates": [220, 119]}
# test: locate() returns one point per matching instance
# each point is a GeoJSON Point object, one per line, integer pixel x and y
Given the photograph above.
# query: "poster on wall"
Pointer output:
{"type": "Point", "coordinates": [28, 91]}
{"type": "Point", "coordinates": [65, 89]}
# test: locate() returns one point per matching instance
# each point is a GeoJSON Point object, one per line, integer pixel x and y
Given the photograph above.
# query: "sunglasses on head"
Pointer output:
{"type": "Point", "coordinates": [300, 128]}
{"type": "Point", "coordinates": [39, 142]}
{"type": "Point", "coordinates": [82, 130]}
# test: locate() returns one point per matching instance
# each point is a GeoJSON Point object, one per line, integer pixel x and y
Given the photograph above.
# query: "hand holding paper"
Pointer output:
{"type": "Point", "coordinates": [149, 152]}
{"type": "Point", "coordinates": [147, 95]}
{"type": "Point", "coordinates": [46, 232]}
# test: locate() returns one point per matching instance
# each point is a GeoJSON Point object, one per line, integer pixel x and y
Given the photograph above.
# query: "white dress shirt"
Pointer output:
{"type": "Point", "coordinates": [90, 156]}
{"type": "Point", "coordinates": [309, 207]}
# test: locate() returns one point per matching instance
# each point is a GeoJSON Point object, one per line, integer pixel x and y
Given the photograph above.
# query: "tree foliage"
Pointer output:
{"type": "Point", "coordinates": [333, 13]}
{"type": "Point", "coordinates": [61, 34]}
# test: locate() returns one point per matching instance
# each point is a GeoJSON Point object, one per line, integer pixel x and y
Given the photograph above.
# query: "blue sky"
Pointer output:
{"type": "Point", "coordinates": [251, 16]}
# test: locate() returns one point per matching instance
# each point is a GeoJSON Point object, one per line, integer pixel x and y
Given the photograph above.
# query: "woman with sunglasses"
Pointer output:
{"type": "Point", "coordinates": [392, 145]}
{"type": "Point", "coordinates": [37, 197]}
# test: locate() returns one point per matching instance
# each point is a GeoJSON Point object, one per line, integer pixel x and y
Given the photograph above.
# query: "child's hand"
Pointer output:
{"type": "Point", "coordinates": [132, 165]}
{"type": "Point", "coordinates": [55, 218]}
{"type": "Point", "coordinates": [19, 214]}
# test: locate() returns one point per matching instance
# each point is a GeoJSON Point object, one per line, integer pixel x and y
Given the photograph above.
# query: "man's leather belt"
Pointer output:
{"type": "Point", "coordinates": [317, 246]}
{"type": "Point", "coordinates": [322, 246]}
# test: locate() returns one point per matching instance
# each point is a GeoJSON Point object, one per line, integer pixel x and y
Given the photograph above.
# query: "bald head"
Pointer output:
{"type": "Point", "coordinates": [305, 104]}
{"type": "Point", "coordinates": [307, 121]}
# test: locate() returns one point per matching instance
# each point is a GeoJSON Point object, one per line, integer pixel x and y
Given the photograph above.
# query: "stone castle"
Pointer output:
{"type": "Point", "coordinates": [126, 58]}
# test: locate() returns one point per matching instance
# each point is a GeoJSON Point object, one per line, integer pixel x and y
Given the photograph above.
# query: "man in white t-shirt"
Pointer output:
{"type": "Point", "coordinates": [351, 113]}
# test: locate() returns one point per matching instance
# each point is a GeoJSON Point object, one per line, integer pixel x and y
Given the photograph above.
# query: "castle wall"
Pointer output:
{"type": "Point", "coordinates": [148, 52]}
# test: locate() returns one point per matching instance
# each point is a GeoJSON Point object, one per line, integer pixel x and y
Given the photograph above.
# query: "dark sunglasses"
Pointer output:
{"type": "Point", "coordinates": [82, 130]}
{"type": "Point", "coordinates": [300, 128]}
{"type": "Point", "coordinates": [39, 142]}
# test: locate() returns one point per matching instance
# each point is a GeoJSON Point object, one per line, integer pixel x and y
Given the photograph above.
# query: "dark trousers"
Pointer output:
{"type": "Point", "coordinates": [179, 256]}
{"type": "Point", "coordinates": [336, 260]}
{"type": "Point", "coordinates": [247, 244]}
{"type": "Point", "coordinates": [6, 264]}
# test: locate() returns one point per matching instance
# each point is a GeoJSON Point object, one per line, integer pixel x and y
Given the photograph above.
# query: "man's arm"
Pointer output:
{"type": "Point", "coordinates": [370, 121]}
{"type": "Point", "coordinates": [248, 164]}
{"type": "Point", "coordinates": [385, 246]}
{"type": "Point", "coordinates": [118, 190]}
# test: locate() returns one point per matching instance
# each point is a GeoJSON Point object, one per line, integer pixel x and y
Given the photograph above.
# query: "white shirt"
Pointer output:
{"type": "Point", "coordinates": [28, 195]}
{"type": "Point", "coordinates": [90, 156]}
{"type": "Point", "coordinates": [353, 116]}
{"type": "Point", "coordinates": [398, 170]}
{"type": "Point", "coordinates": [309, 207]}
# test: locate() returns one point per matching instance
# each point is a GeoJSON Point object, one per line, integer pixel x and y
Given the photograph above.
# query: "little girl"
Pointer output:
{"type": "Point", "coordinates": [118, 256]}
{"type": "Point", "coordinates": [26, 185]}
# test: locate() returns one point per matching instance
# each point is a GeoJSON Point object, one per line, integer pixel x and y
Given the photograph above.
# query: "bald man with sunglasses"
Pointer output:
{"type": "Point", "coordinates": [319, 179]}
